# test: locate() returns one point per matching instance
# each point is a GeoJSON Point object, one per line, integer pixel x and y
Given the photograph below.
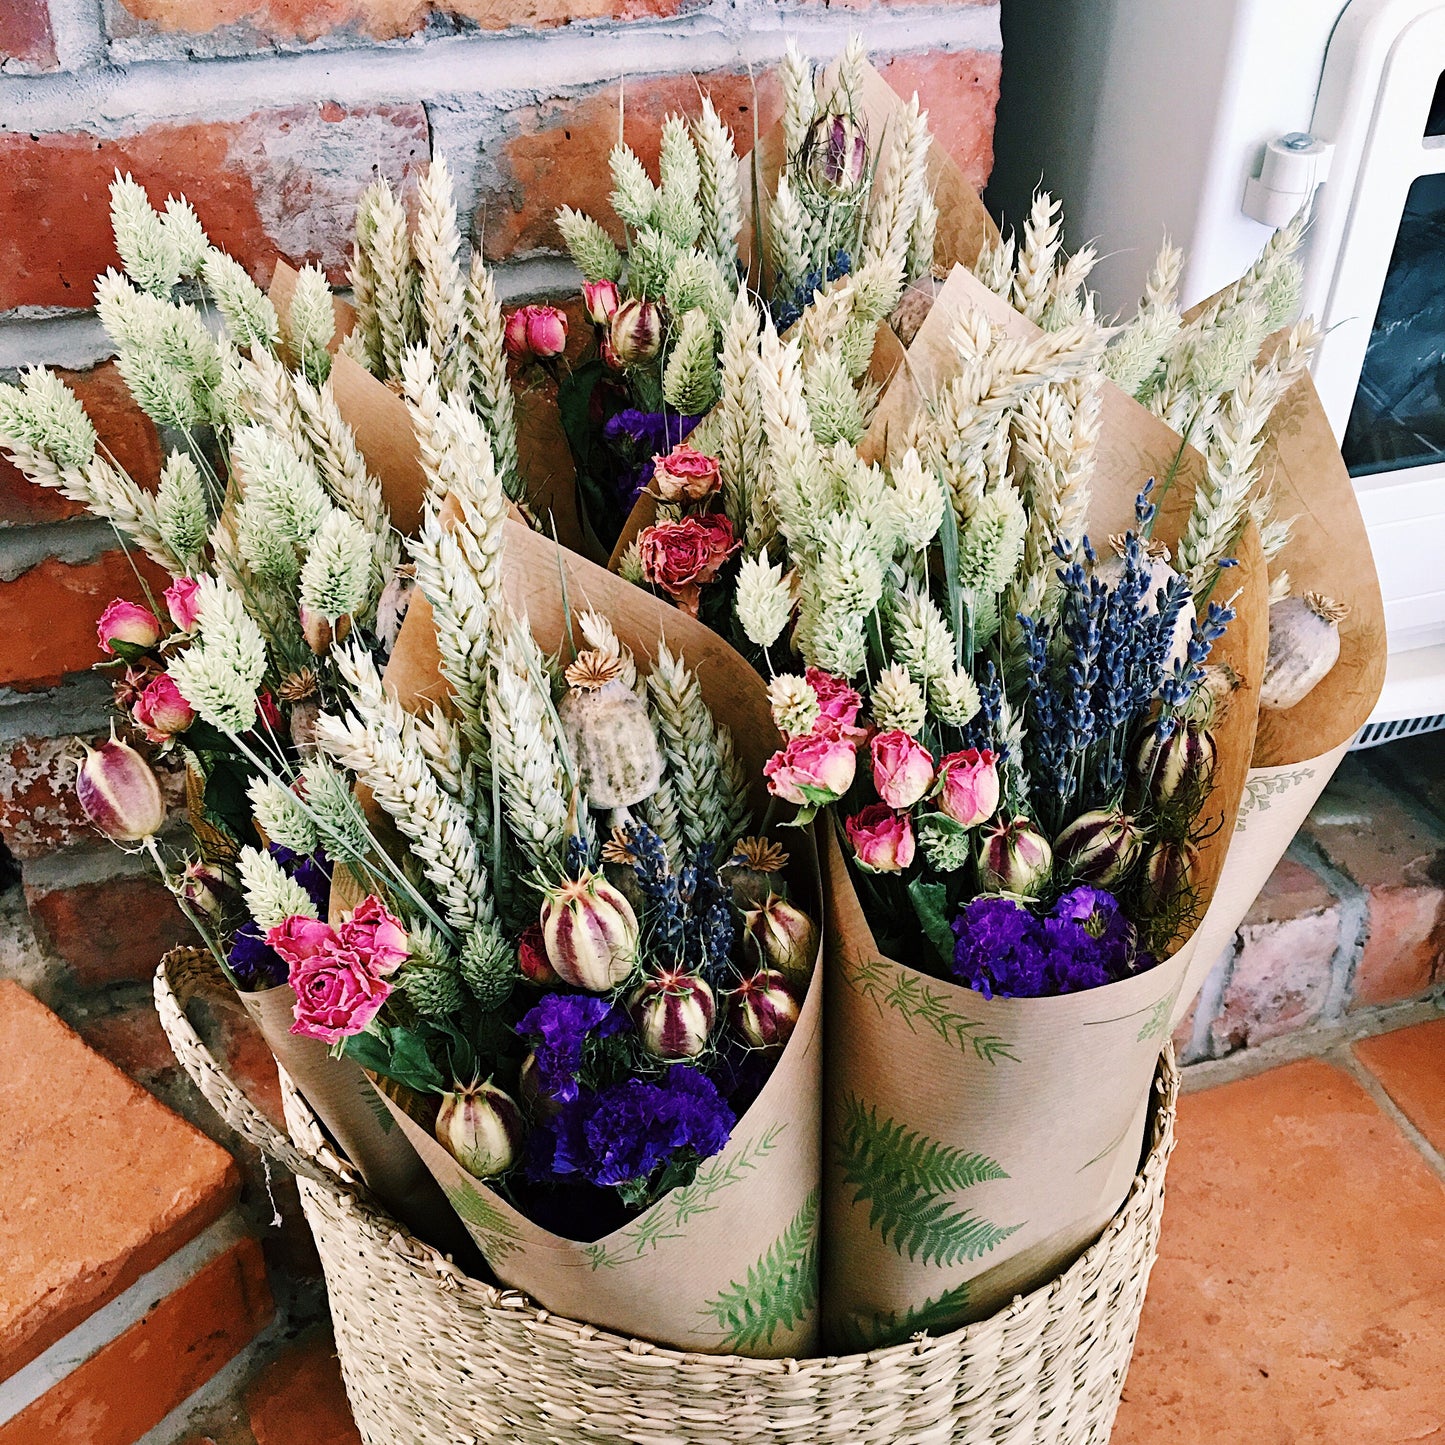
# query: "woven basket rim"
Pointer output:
{"type": "Point", "coordinates": [436, 1270]}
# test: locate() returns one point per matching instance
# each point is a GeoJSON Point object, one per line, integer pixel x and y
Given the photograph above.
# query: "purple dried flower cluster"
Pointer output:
{"type": "Point", "coordinates": [628, 1131]}
{"type": "Point", "coordinates": [560, 1027]}
{"type": "Point", "coordinates": [1004, 950]}
{"type": "Point", "coordinates": [252, 960]}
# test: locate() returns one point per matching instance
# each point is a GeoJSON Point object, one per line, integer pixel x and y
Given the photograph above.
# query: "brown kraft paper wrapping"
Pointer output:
{"type": "Point", "coordinates": [341, 1096]}
{"type": "Point", "coordinates": [382, 424]}
{"type": "Point", "coordinates": [1297, 750]}
{"type": "Point", "coordinates": [973, 1147]}
{"type": "Point", "coordinates": [729, 1262]}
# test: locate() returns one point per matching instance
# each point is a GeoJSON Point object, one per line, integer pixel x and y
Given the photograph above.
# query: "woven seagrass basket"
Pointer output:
{"type": "Point", "coordinates": [431, 1356]}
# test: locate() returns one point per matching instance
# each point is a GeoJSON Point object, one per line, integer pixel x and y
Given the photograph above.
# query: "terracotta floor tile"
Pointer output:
{"type": "Point", "coordinates": [1299, 1297]}
{"type": "Point", "coordinates": [299, 1397]}
{"type": "Point", "coordinates": [1410, 1063]}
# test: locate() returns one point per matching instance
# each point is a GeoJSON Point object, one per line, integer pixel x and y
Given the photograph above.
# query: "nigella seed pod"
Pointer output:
{"type": "Point", "coordinates": [590, 933]}
{"type": "Point", "coordinates": [765, 1009]}
{"type": "Point", "coordinates": [480, 1126]}
{"type": "Point", "coordinates": [673, 1012]}
{"type": "Point", "coordinates": [537, 1101]}
{"type": "Point", "coordinates": [634, 334]}
{"type": "Point", "coordinates": [119, 792]}
{"type": "Point", "coordinates": [1168, 868]}
{"type": "Point", "coordinates": [1014, 858]}
{"type": "Point", "coordinates": [1175, 767]}
{"type": "Point", "coordinates": [1099, 847]}
{"type": "Point", "coordinates": [207, 888]}
{"type": "Point", "coordinates": [836, 154]}
{"type": "Point", "coordinates": [776, 935]}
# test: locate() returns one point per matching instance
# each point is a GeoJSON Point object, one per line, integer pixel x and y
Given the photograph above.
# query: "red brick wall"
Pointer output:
{"type": "Point", "coordinates": [271, 116]}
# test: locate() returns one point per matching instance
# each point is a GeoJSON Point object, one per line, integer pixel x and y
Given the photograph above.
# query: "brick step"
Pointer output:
{"type": "Point", "coordinates": [127, 1279]}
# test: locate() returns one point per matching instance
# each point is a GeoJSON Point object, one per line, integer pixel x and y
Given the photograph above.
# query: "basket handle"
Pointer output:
{"type": "Point", "coordinates": [188, 973]}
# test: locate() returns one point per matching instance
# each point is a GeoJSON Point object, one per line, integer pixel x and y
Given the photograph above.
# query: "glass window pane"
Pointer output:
{"type": "Point", "coordinates": [1398, 418]}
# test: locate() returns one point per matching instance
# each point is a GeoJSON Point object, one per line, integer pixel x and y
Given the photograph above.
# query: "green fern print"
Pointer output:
{"type": "Point", "coordinates": [495, 1234]}
{"type": "Point", "coordinates": [669, 1217]}
{"type": "Point", "coordinates": [904, 1177]}
{"type": "Point", "coordinates": [377, 1105]}
{"type": "Point", "coordinates": [779, 1290]}
{"type": "Point", "coordinates": [1258, 792]}
{"type": "Point", "coordinates": [934, 1316]}
{"type": "Point", "coordinates": [909, 995]}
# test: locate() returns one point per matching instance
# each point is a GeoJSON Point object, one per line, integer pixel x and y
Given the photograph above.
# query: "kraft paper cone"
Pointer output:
{"type": "Point", "coordinates": [728, 1263]}
{"type": "Point", "coordinates": [341, 1096]}
{"type": "Point", "coordinates": [973, 1147]}
{"type": "Point", "coordinates": [382, 424]}
{"type": "Point", "coordinates": [1297, 750]}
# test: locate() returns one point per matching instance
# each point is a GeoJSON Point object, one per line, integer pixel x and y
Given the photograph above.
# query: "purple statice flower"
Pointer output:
{"type": "Point", "coordinates": [255, 965]}
{"type": "Point", "coordinates": [314, 875]}
{"type": "Point", "coordinates": [630, 1130]}
{"type": "Point", "coordinates": [559, 1027]}
{"type": "Point", "coordinates": [642, 435]}
{"type": "Point", "coordinates": [1002, 950]}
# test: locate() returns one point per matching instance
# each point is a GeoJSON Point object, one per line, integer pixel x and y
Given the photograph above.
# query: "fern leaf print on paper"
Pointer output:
{"type": "Point", "coordinates": [906, 1179]}
{"type": "Point", "coordinates": [934, 1316]}
{"type": "Point", "coordinates": [778, 1291]}
{"type": "Point", "coordinates": [498, 1233]}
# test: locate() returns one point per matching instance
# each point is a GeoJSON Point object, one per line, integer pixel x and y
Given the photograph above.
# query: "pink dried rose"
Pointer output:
{"type": "Point", "coordinates": [161, 710]}
{"type": "Point", "coordinates": [601, 298]}
{"type": "Point", "coordinates": [902, 768]}
{"type": "Point", "coordinates": [882, 840]}
{"type": "Point", "coordinates": [181, 602]}
{"type": "Point", "coordinates": [968, 789]}
{"type": "Point", "coordinates": [812, 771]}
{"type": "Point", "coordinates": [299, 938]}
{"type": "Point", "coordinates": [375, 935]}
{"type": "Point", "coordinates": [838, 705]}
{"type": "Point", "coordinates": [686, 474]}
{"type": "Point", "coordinates": [336, 995]}
{"type": "Point", "coordinates": [133, 627]}
{"type": "Point", "coordinates": [681, 556]}
{"type": "Point", "coordinates": [536, 333]}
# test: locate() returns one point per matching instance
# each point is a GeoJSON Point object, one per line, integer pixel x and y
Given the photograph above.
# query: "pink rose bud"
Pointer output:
{"type": "Point", "coordinates": [268, 715]}
{"type": "Point", "coordinates": [481, 1128]}
{"type": "Point", "coordinates": [1016, 858]}
{"type": "Point", "coordinates": [968, 786]}
{"type": "Point", "coordinates": [535, 333]}
{"type": "Point", "coordinates": [838, 703]}
{"type": "Point", "coordinates": [1099, 847]}
{"type": "Point", "coordinates": [765, 1010]}
{"type": "Point", "coordinates": [336, 994]}
{"type": "Point", "coordinates": [181, 602]}
{"type": "Point", "coordinates": [882, 840]}
{"type": "Point", "coordinates": [779, 936]}
{"type": "Point", "coordinates": [207, 888]}
{"type": "Point", "coordinates": [161, 710]}
{"type": "Point", "coordinates": [902, 769]}
{"type": "Point", "coordinates": [634, 334]}
{"type": "Point", "coordinates": [812, 771]}
{"type": "Point", "coordinates": [1180, 766]}
{"type": "Point", "coordinates": [601, 299]}
{"type": "Point", "coordinates": [532, 958]}
{"type": "Point", "coordinates": [127, 629]}
{"type": "Point", "coordinates": [375, 936]}
{"type": "Point", "coordinates": [590, 933]}
{"type": "Point", "coordinates": [119, 793]}
{"type": "Point", "coordinates": [673, 1012]}
{"type": "Point", "coordinates": [299, 939]}
{"type": "Point", "coordinates": [1168, 867]}
{"type": "Point", "coordinates": [686, 475]}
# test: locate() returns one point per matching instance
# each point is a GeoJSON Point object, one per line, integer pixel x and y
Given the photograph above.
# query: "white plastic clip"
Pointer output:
{"type": "Point", "coordinates": [1294, 165]}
